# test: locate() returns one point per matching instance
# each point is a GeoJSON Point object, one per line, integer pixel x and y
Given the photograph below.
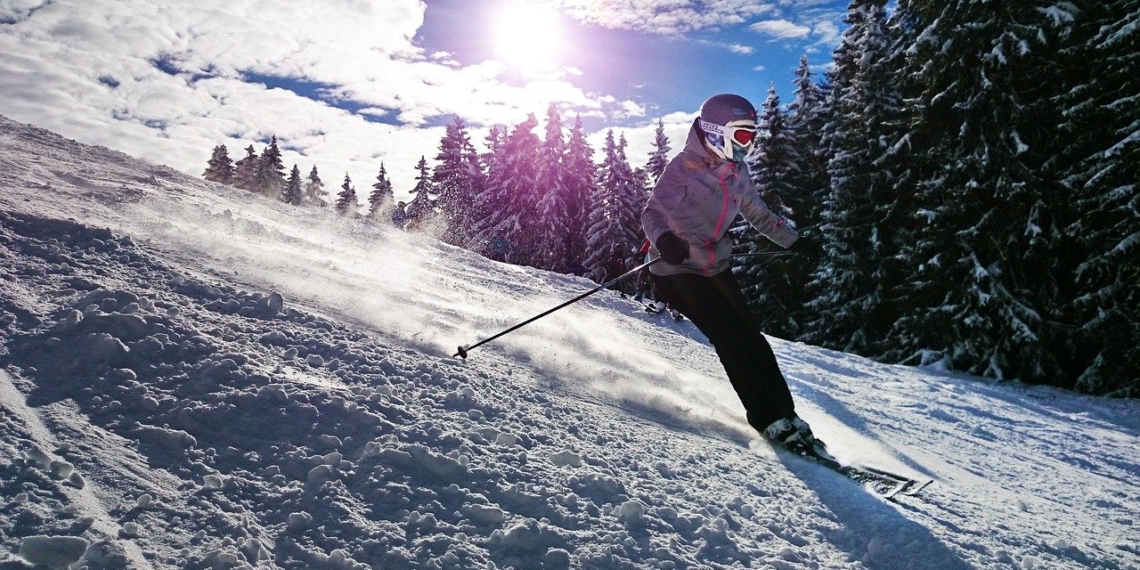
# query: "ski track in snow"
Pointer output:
{"type": "Point", "coordinates": [193, 377]}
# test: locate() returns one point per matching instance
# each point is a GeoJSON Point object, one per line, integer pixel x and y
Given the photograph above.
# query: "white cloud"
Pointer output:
{"type": "Point", "coordinates": [781, 29]}
{"type": "Point", "coordinates": [16, 10]}
{"type": "Point", "coordinates": [640, 138]}
{"type": "Point", "coordinates": [828, 33]}
{"type": "Point", "coordinates": [667, 17]}
{"type": "Point", "coordinates": [167, 80]}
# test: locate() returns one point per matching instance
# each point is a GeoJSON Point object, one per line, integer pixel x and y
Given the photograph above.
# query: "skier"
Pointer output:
{"type": "Point", "coordinates": [645, 293]}
{"type": "Point", "coordinates": [400, 215]}
{"type": "Point", "coordinates": [687, 219]}
{"type": "Point", "coordinates": [646, 290]}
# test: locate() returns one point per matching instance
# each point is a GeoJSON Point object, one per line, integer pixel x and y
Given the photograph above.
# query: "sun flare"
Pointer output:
{"type": "Point", "coordinates": [528, 35]}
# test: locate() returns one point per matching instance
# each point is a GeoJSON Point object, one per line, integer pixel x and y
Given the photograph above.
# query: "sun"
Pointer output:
{"type": "Point", "coordinates": [528, 35]}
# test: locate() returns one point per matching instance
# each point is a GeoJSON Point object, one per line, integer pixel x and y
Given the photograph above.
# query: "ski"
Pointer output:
{"type": "Point", "coordinates": [884, 483]}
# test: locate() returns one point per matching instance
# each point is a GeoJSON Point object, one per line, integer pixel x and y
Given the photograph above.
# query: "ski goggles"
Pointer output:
{"type": "Point", "coordinates": [741, 132]}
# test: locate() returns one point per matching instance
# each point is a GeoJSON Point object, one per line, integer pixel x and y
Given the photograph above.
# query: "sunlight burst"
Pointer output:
{"type": "Point", "coordinates": [528, 36]}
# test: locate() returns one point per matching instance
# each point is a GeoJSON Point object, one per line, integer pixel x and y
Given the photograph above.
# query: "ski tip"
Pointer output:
{"type": "Point", "coordinates": [902, 487]}
{"type": "Point", "coordinates": [919, 486]}
{"type": "Point", "coordinates": [908, 488]}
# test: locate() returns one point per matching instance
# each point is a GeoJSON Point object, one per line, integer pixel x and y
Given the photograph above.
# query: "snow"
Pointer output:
{"type": "Point", "coordinates": [193, 377]}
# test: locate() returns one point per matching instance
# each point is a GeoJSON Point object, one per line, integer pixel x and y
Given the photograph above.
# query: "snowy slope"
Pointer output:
{"type": "Point", "coordinates": [192, 377]}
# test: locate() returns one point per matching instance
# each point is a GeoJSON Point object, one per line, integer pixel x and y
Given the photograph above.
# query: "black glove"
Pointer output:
{"type": "Point", "coordinates": [807, 247]}
{"type": "Point", "coordinates": [673, 249]}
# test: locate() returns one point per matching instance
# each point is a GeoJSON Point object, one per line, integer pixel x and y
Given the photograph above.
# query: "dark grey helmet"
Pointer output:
{"type": "Point", "coordinates": [725, 108]}
{"type": "Point", "coordinates": [729, 124]}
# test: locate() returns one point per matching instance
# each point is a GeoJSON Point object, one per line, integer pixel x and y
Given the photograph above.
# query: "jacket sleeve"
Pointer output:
{"type": "Point", "coordinates": [666, 196]}
{"type": "Point", "coordinates": [767, 222]}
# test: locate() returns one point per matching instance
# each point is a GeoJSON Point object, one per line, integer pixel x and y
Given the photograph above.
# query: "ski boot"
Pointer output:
{"type": "Point", "coordinates": [792, 434]}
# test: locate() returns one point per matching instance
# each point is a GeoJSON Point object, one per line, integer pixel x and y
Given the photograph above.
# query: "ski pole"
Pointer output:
{"type": "Point", "coordinates": [763, 254]}
{"type": "Point", "coordinates": [463, 350]}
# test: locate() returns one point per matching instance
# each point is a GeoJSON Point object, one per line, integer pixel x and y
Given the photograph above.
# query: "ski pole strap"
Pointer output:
{"type": "Point", "coordinates": [463, 350]}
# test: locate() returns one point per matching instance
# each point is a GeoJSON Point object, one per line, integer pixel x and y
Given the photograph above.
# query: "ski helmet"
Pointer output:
{"type": "Point", "coordinates": [729, 124]}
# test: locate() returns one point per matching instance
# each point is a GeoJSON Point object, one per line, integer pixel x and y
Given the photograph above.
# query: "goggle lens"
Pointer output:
{"type": "Point", "coordinates": [743, 136]}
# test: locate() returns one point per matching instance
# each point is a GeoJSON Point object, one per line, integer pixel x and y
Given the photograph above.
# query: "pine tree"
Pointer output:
{"type": "Point", "coordinates": [611, 242]}
{"type": "Point", "coordinates": [269, 172]}
{"type": "Point", "coordinates": [382, 199]}
{"type": "Point", "coordinates": [580, 182]}
{"type": "Point", "coordinates": [806, 118]}
{"type": "Point", "coordinates": [245, 170]}
{"type": "Point", "coordinates": [553, 205]}
{"type": "Point", "coordinates": [346, 203]}
{"type": "Point", "coordinates": [978, 270]}
{"type": "Point", "coordinates": [633, 195]}
{"type": "Point", "coordinates": [457, 178]}
{"type": "Point", "coordinates": [220, 168]}
{"type": "Point", "coordinates": [1100, 165]}
{"type": "Point", "coordinates": [773, 286]}
{"type": "Point", "coordinates": [314, 190]}
{"type": "Point", "coordinates": [483, 239]}
{"type": "Point", "coordinates": [867, 215]}
{"type": "Point", "coordinates": [808, 187]}
{"type": "Point", "coordinates": [421, 210]}
{"type": "Point", "coordinates": [659, 158]}
{"type": "Point", "coordinates": [509, 200]}
{"type": "Point", "coordinates": [293, 194]}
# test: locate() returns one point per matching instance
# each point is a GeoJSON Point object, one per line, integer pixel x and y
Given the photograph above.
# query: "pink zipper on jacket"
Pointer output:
{"type": "Point", "coordinates": [729, 168]}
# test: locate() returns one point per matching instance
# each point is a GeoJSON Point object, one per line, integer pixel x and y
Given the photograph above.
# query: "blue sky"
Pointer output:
{"type": "Point", "coordinates": [664, 60]}
{"type": "Point", "coordinates": [346, 85]}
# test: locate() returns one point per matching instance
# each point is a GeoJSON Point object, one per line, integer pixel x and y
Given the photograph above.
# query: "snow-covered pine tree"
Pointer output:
{"type": "Point", "coordinates": [293, 193]}
{"type": "Point", "coordinates": [774, 160]}
{"type": "Point", "coordinates": [220, 168]}
{"type": "Point", "coordinates": [269, 174]}
{"type": "Point", "coordinates": [806, 116]}
{"type": "Point", "coordinates": [314, 190]}
{"type": "Point", "coordinates": [611, 243]}
{"type": "Point", "coordinates": [659, 157]}
{"type": "Point", "coordinates": [807, 182]}
{"type": "Point", "coordinates": [509, 200]}
{"type": "Point", "coordinates": [773, 286]}
{"type": "Point", "coordinates": [421, 210]}
{"type": "Point", "coordinates": [580, 174]}
{"type": "Point", "coordinates": [1100, 157]}
{"type": "Point", "coordinates": [554, 222]}
{"type": "Point", "coordinates": [980, 271]}
{"type": "Point", "coordinates": [382, 199]}
{"type": "Point", "coordinates": [346, 202]}
{"type": "Point", "coordinates": [483, 240]}
{"type": "Point", "coordinates": [245, 169]}
{"type": "Point", "coordinates": [866, 215]}
{"type": "Point", "coordinates": [633, 193]}
{"type": "Point", "coordinates": [457, 178]}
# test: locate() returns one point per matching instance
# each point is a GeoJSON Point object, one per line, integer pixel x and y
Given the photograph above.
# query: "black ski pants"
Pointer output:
{"type": "Point", "coordinates": [716, 305]}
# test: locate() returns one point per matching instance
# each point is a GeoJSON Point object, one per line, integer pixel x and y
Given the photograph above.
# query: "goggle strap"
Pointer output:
{"type": "Point", "coordinates": [712, 128]}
